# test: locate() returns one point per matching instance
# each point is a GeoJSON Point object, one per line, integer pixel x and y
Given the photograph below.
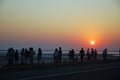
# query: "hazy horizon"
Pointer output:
{"type": "Point", "coordinates": [52, 23]}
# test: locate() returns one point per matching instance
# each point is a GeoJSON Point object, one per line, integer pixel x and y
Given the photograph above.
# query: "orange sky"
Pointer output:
{"type": "Point", "coordinates": [66, 23]}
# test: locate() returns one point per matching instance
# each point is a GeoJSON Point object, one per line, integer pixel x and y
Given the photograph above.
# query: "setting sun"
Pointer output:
{"type": "Point", "coordinates": [92, 42]}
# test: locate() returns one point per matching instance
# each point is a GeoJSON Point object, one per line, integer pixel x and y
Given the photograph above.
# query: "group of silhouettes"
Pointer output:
{"type": "Point", "coordinates": [57, 55]}
{"type": "Point", "coordinates": [27, 55]}
{"type": "Point", "coordinates": [91, 55]}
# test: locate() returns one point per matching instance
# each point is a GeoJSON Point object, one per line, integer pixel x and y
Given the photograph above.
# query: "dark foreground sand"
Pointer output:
{"type": "Point", "coordinates": [36, 66]}
{"type": "Point", "coordinates": [98, 70]}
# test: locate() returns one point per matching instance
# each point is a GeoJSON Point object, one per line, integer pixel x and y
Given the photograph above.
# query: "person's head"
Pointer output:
{"type": "Point", "coordinates": [39, 49]}
{"type": "Point", "coordinates": [81, 48]}
{"type": "Point", "coordinates": [31, 48]}
{"type": "Point", "coordinates": [105, 49]}
{"type": "Point", "coordinates": [22, 49]}
{"type": "Point", "coordinates": [60, 48]}
{"type": "Point", "coordinates": [9, 50]}
{"type": "Point", "coordinates": [72, 50]}
{"type": "Point", "coordinates": [26, 49]}
{"type": "Point", "coordinates": [95, 50]}
{"type": "Point", "coordinates": [56, 49]}
{"type": "Point", "coordinates": [16, 50]}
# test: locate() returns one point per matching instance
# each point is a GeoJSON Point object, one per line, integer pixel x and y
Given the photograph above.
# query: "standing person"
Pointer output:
{"type": "Point", "coordinates": [72, 55]}
{"type": "Point", "coordinates": [95, 53]}
{"type": "Point", "coordinates": [10, 56]}
{"type": "Point", "coordinates": [55, 55]}
{"type": "Point", "coordinates": [26, 56]}
{"type": "Point", "coordinates": [22, 56]}
{"type": "Point", "coordinates": [105, 54]}
{"type": "Point", "coordinates": [31, 55]}
{"type": "Point", "coordinates": [16, 56]}
{"type": "Point", "coordinates": [70, 58]}
{"type": "Point", "coordinates": [39, 55]}
{"type": "Point", "coordinates": [60, 54]}
{"type": "Point", "coordinates": [88, 54]}
{"type": "Point", "coordinates": [92, 54]}
{"type": "Point", "coordinates": [13, 55]}
{"type": "Point", "coordinates": [82, 52]}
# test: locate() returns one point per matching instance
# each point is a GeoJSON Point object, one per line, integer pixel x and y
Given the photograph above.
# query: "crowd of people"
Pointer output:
{"type": "Point", "coordinates": [27, 55]}
{"type": "Point", "coordinates": [91, 55]}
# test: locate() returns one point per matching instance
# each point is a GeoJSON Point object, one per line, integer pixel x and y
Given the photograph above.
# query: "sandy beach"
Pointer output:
{"type": "Point", "coordinates": [72, 71]}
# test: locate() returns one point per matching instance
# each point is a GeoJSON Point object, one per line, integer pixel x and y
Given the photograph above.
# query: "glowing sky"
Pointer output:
{"type": "Point", "coordinates": [52, 23]}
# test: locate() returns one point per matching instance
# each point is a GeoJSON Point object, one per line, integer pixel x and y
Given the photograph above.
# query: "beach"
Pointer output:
{"type": "Point", "coordinates": [94, 70]}
{"type": "Point", "coordinates": [47, 56]}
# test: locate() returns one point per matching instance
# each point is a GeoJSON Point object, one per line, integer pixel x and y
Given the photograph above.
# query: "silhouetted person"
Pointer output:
{"type": "Point", "coordinates": [16, 56]}
{"type": "Point", "coordinates": [56, 55]}
{"type": "Point", "coordinates": [10, 56]}
{"type": "Point", "coordinates": [72, 55]}
{"type": "Point", "coordinates": [39, 55]}
{"type": "Point", "coordinates": [60, 54]}
{"type": "Point", "coordinates": [22, 56]}
{"type": "Point", "coordinates": [31, 55]}
{"type": "Point", "coordinates": [88, 54]}
{"type": "Point", "coordinates": [82, 52]}
{"type": "Point", "coordinates": [95, 54]}
{"type": "Point", "coordinates": [26, 56]}
{"type": "Point", "coordinates": [92, 54]}
{"type": "Point", "coordinates": [70, 58]}
{"type": "Point", "coordinates": [105, 54]}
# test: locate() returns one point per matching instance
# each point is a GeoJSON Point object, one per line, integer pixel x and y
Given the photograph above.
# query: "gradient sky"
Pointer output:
{"type": "Point", "coordinates": [53, 23]}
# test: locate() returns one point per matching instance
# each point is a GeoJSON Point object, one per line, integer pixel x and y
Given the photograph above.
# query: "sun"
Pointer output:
{"type": "Point", "coordinates": [92, 42]}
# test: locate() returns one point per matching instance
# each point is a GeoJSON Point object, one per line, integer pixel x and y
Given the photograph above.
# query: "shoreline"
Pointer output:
{"type": "Point", "coordinates": [49, 58]}
{"type": "Point", "coordinates": [44, 66]}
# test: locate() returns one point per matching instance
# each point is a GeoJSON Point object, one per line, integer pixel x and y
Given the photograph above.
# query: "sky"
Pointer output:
{"type": "Point", "coordinates": [52, 23]}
